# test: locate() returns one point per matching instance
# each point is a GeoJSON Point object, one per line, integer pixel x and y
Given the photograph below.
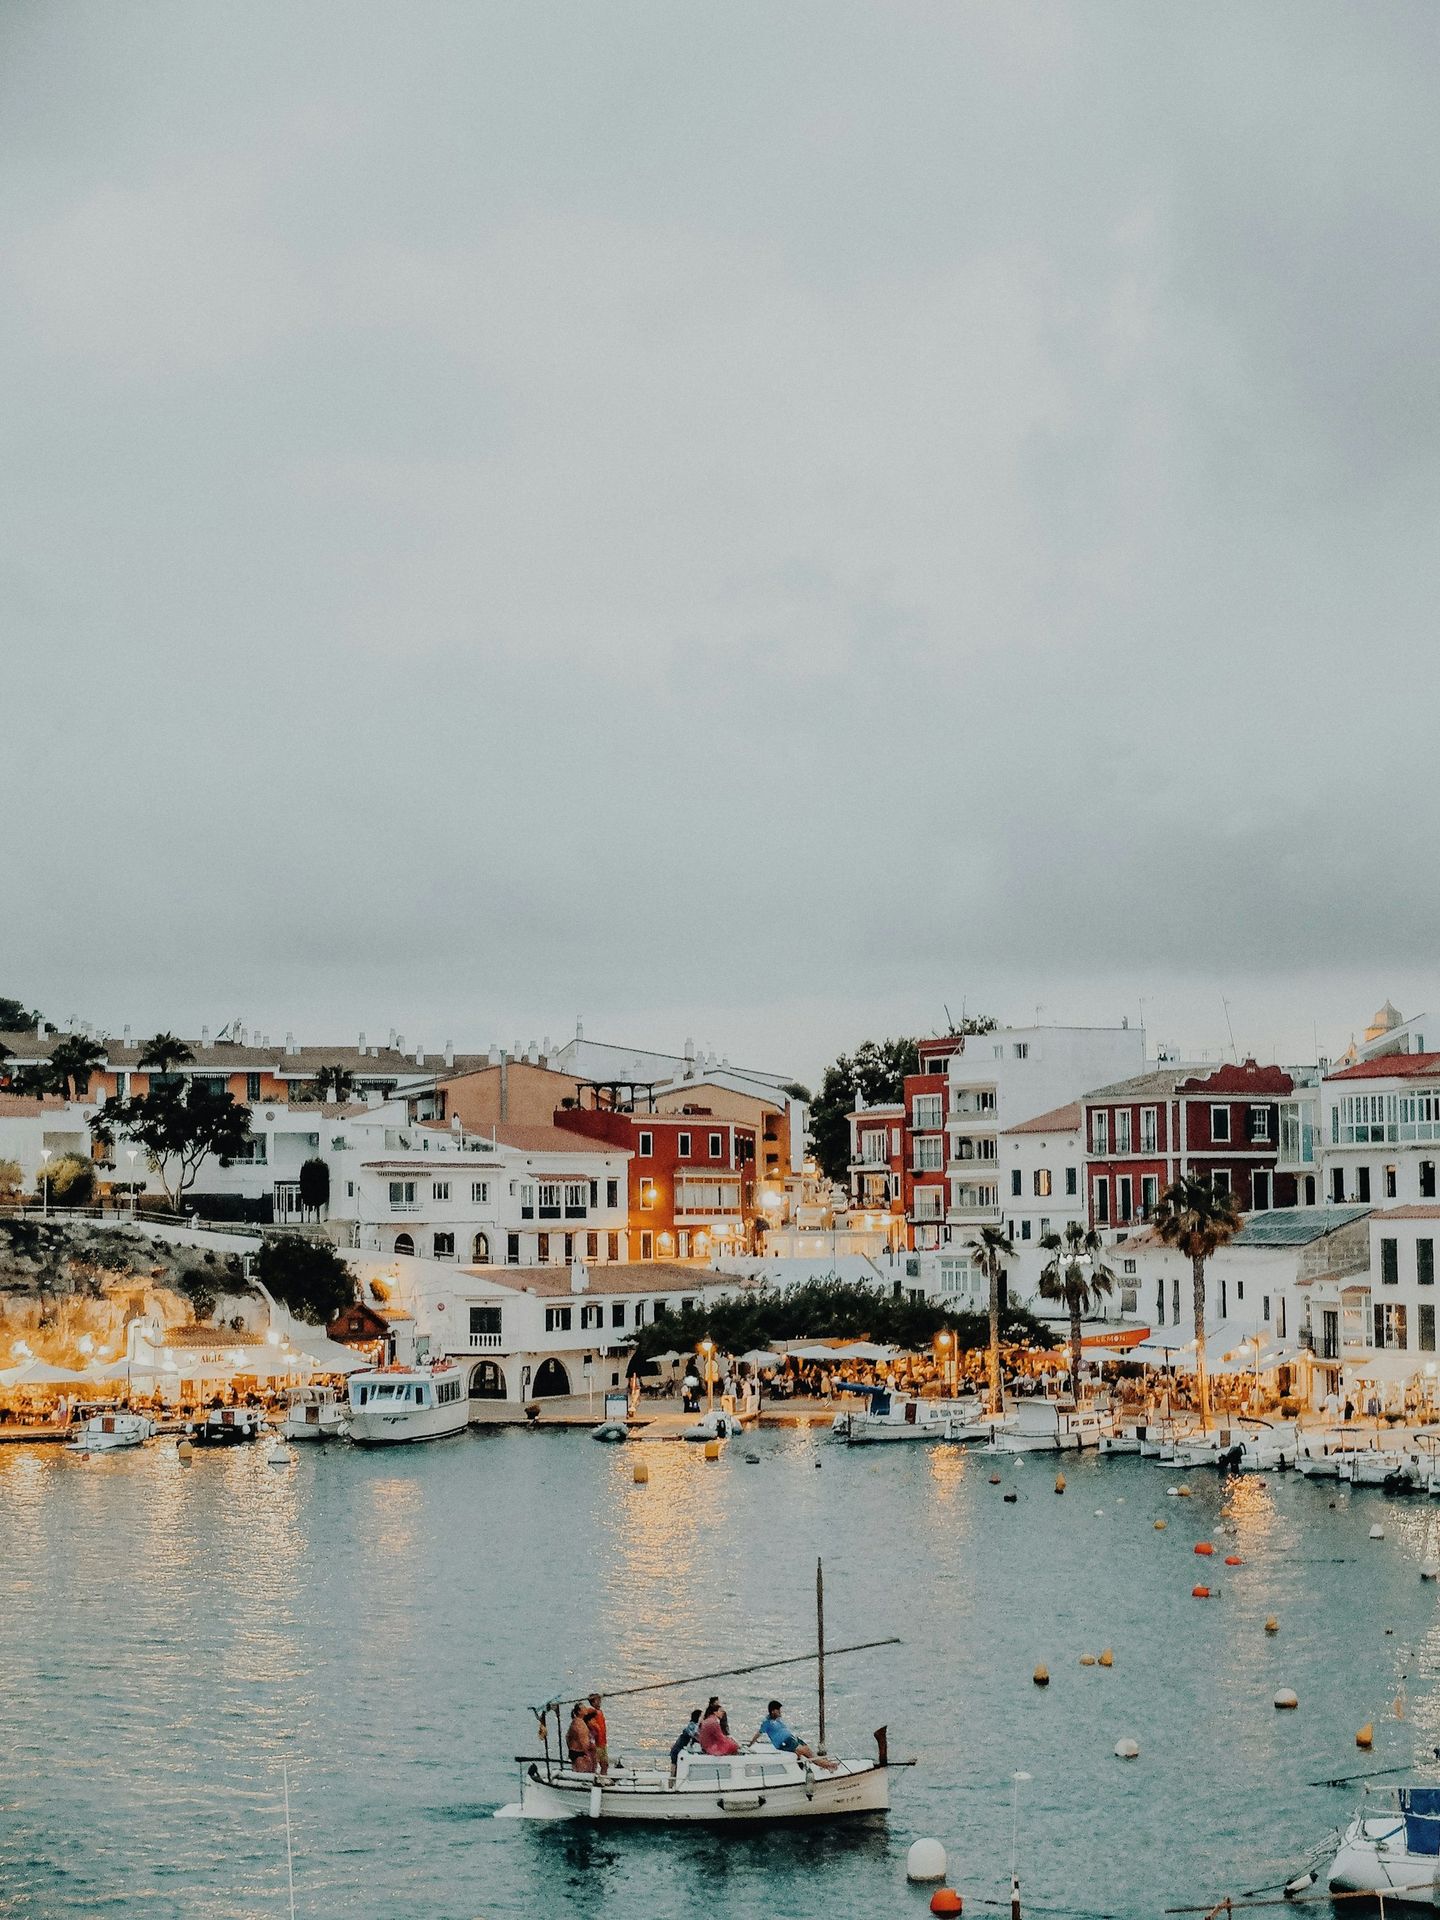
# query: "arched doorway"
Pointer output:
{"type": "Point", "coordinates": [404, 1243]}
{"type": "Point", "coordinates": [480, 1253]}
{"type": "Point", "coordinates": [487, 1382]}
{"type": "Point", "coordinates": [550, 1378]}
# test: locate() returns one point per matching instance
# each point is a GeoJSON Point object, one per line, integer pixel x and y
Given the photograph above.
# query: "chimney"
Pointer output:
{"type": "Point", "coordinates": [125, 1038]}
{"type": "Point", "coordinates": [455, 1123]}
{"type": "Point", "coordinates": [579, 1028]}
{"type": "Point", "coordinates": [449, 1053]}
{"type": "Point", "coordinates": [545, 1048]}
{"type": "Point", "coordinates": [360, 1048]}
{"type": "Point", "coordinates": [419, 1056]}
{"type": "Point", "coordinates": [39, 1026]}
{"type": "Point", "coordinates": [579, 1277]}
{"type": "Point", "coordinates": [391, 1041]}
{"type": "Point", "coordinates": [689, 1049]}
{"type": "Point", "coordinates": [290, 1046]}
{"type": "Point", "coordinates": [204, 1038]}
{"type": "Point", "coordinates": [397, 1041]}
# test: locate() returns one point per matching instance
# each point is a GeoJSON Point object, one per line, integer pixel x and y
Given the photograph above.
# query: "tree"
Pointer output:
{"type": "Point", "coordinates": [307, 1276]}
{"type": "Point", "coordinates": [334, 1083]}
{"type": "Point", "coordinates": [177, 1130]}
{"type": "Point", "coordinates": [71, 1180]}
{"type": "Point", "coordinates": [165, 1052]}
{"type": "Point", "coordinates": [35, 1078]}
{"type": "Point", "coordinates": [1077, 1278]}
{"type": "Point", "coordinates": [12, 1182]}
{"type": "Point", "coordinates": [73, 1059]}
{"type": "Point", "coordinates": [15, 1016]}
{"type": "Point", "coordinates": [990, 1250]}
{"type": "Point", "coordinates": [315, 1185]}
{"type": "Point", "coordinates": [1197, 1220]}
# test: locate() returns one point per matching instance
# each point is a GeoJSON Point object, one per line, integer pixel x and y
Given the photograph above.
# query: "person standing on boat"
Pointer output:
{"type": "Point", "coordinates": [599, 1733]}
{"type": "Point", "coordinates": [774, 1729]}
{"type": "Point", "coordinates": [688, 1737]}
{"type": "Point", "coordinates": [579, 1743]}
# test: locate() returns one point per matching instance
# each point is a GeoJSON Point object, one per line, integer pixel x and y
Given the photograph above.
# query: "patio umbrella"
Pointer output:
{"type": "Point", "coordinates": [40, 1373]}
{"type": "Point", "coordinates": [759, 1357]}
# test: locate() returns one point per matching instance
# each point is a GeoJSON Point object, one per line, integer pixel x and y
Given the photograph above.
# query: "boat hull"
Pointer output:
{"type": "Point", "coordinates": [391, 1425]}
{"type": "Point", "coordinates": [1373, 1858]}
{"type": "Point", "coordinates": [825, 1796]}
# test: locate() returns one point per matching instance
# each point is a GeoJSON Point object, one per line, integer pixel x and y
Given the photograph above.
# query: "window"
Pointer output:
{"type": "Point", "coordinates": [591, 1315]}
{"type": "Point", "coordinates": [1390, 1326]}
{"type": "Point", "coordinates": [480, 1249]}
{"type": "Point", "coordinates": [717, 1146]}
{"type": "Point", "coordinates": [252, 1086]}
{"type": "Point", "coordinates": [1260, 1123]}
{"type": "Point", "coordinates": [252, 1151]}
{"type": "Point", "coordinates": [439, 1189]}
{"type": "Point", "coordinates": [484, 1323]}
{"type": "Point", "coordinates": [443, 1246]}
{"type": "Point", "coordinates": [930, 1153]}
{"type": "Point", "coordinates": [542, 1248]}
{"type": "Point", "coordinates": [577, 1193]}
{"type": "Point", "coordinates": [1390, 1183]}
{"type": "Point", "coordinates": [569, 1248]}
{"type": "Point", "coordinates": [1100, 1132]}
{"type": "Point", "coordinates": [1160, 1303]}
{"type": "Point", "coordinates": [612, 1194]}
{"type": "Point", "coordinates": [592, 1246]}
{"type": "Point", "coordinates": [404, 1243]}
{"type": "Point", "coordinates": [647, 1248]}
{"type": "Point", "coordinates": [1425, 1263]}
{"type": "Point", "coordinates": [1220, 1180]}
{"type": "Point", "coordinates": [594, 1193]}
{"type": "Point", "coordinates": [1280, 1317]}
{"type": "Point", "coordinates": [1337, 1184]}
{"type": "Point", "coordinates": [639, 1313]}
{"type": "Point", "coordinates": [1390, 1263]}
{"type": "Point", "coordinates": [1072, 1181]}
{"type": "Point", "coordinates": [480, 1193]}
{"type": "Point", "coordinates": [1260, 1190]}
{"type": "Point", "coordinates": [1362, 1183]}
{"type": "Point", "coordinates": [1102, 1203]}
{"type": "Point", "coordinates": [1042, 1183]}
{"type": "Point", "coordinates": [646, 1146]}
{"type": "Point", "coordinates": [1149, 1194]}
{"type": "Point", "coordinates": [612, 1246]}
{"type": "Point", "coordinates": [647, 1195]}
{"type": "Point", "coordinates": [1427, 1327]}
{"type": "Point", "coordinates": [1427, 1179]}
{"type": "Point", "coordinates": [1017, 1183]}
{"type": "Point", "coordinates": [1024, 1229]}
{"type": "Point", "coordinates": [527, 1202]}
{"type": "Point", "coordinates": [1175, 1301]}
{"type": "Point", "coordinates": [1124, 1199]}
{"type": "Point", "coordinates": [512, 1249]}
{"type": "Point", "coordinates": [1219, 1123]}
{"type": "Point", "coordinates": [402, 1196]}
{"type": "Point", "coordinates": [617, 1313]}
{"type": "Point", "coordinates": [1129, 1266]}
{"type": "Point", "coordinates": [557, 1319]}
{"type": "Point", "coordinates": [1147, 1130]}
{"type": "Point", "coordinates": [549, 1200]}
{"type": "Point", "coordinates": [682, 1146]}
{"type": "Point", "coordinates": [1044, 1226]}
{"type": "Point", "coordinates": [1122, 1130]}
{"type": "Point", "coordinates": [1022, 1049]}
{"type": "Point", "coordinates": [928, 1110]}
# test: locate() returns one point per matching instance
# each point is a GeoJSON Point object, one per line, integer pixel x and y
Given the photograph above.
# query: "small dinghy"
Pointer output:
{"type": "Point", "coordinates": [718, 1425]}
{"type": "Point", "coordinates": [1392, 1847]}
{"type": "Point", "coordinates": [616, 1425]}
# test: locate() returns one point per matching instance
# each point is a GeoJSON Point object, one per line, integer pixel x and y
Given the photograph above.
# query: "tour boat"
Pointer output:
{"type": "Point", "coordinates": [890, 1416]}
{"type": "Point", "coordinates": [313, 1413]}
{"type": "Point", "coordinates": [393, 1406]}
{"type": "Point", "coordinates": [102, 1431]}
{"type": "Point", "coordinates": [1395, 1852]}
{"type": "Point", "coordinates": [756, 1784]}
{"type": "Point", "coordinates": [1044, 1426]}
{"type": "Point", "coordinates": [227, 1427]}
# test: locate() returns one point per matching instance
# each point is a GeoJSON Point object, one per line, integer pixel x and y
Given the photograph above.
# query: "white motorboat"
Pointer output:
{"type": "Point", "coordinates": [227, 1427]}
{"type": "Point", "coordinates": [102, 1431]}
{"type": "Point", "coordinates": [1048, 1426]}
{"type": "Point", "coordinates": [397, 1406]}
{"type": "Point", "coordinates": [313, 1413]}
{"type": "Point", "coordinates": [757, 1784]}
{"type": "Point", "coordinates": [890, 1416]}
{"type": "Point", "coordinates": [1391, 1467]}
{"type": "Point", "coordinates": [1392, 1849]}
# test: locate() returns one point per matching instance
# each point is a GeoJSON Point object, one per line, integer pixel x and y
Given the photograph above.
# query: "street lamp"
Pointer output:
{"type": "Point", "coordinates": [707, 1347]}
{"type": "Point", "coordinates": [130, 1156]}
{"type": "Point", "coordinates": [942, 1340]}
{"type": "Point", "coordinates": [45, 1184]}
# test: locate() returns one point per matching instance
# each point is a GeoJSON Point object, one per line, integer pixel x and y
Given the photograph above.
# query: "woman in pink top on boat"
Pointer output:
{"type": "Point", "coordinates": [713, 1736]}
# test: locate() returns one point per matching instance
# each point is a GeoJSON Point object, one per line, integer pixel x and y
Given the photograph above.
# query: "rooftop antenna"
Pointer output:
{"type": "Point", "coordinates": [1233, 1052]}
{"type": "Point", "coordinates": [949, 1019]}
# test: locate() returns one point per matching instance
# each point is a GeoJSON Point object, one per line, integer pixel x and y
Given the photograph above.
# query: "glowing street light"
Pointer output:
{"type": "Point", "coordinates": [707, 1347]}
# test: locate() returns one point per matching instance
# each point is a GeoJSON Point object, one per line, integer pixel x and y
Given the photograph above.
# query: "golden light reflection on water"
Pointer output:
{"type": "Point", "coordinates": [1249, 1506]}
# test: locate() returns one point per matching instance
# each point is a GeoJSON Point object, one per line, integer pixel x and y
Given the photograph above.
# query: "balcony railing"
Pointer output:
{"type": "Point", "coordinates": [486, 1342]}
{"type": "Point", "coordinates": [973, 1209]}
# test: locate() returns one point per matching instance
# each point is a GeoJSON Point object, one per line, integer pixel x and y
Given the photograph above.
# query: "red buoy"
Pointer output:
{"type": "Point", "coordinates": [1203, 1546]}
{"type": "Point", "coordinates": [1200, 1593]}
{"type": "Point", "coordinates": [946, 1900]}
{"type": "Point", "coordinates": [1232, 1560]}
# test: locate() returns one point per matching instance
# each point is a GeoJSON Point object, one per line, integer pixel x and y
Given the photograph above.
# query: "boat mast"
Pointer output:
{"type": "Point", "coordinates": [820, 1644]}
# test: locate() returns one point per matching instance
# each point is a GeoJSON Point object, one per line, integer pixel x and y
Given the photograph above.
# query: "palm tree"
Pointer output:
{"type": "Point", "coordinates": [336, 1083]}
{"type": "Point", "coordinates": [165, 1052]}
{"type": "Point", "coordinates": [990, 1251]}
{"type": "Point", "coordinates": [1197, 1219]}
{"type": "Point", "coordinates": [1078, 1278]}
{"type": "Point", "coordinates": [73, 1058]}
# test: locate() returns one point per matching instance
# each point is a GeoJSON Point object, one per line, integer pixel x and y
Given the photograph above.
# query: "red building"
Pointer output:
{"type": "Point", "coordinates": [900, 1152]}
{"type": "Point", "coordinates": [1223, 1126]}
{"type": "Point", "coordinates": [692, 1178]}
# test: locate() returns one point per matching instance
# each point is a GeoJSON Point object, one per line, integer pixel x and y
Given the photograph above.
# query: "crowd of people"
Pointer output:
{"type": "Point", "coordinates": [587, 1740]}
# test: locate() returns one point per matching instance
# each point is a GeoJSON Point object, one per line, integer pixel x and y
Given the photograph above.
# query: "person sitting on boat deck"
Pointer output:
{"type": "Point", "coordinates": [774, 1729]}
{"type": "Point", "coordinates": [599, 1733]}
{"type": "Point", "coordinates": [579, 1742]}
{"type": "Point", "coordinates": [714, 1735]}
{"type": "Point", "coordinates": [688, 1737]}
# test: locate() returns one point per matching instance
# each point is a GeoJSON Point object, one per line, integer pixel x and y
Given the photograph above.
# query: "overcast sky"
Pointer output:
{"type": "Point", "coordinates": [752, 521]}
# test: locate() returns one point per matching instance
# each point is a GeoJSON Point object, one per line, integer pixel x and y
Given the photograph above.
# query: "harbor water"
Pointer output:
{"type": "Point", "coordinates": [381, 1621]}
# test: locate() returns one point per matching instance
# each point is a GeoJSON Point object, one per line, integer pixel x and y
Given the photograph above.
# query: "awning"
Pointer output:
{"type": "Point", "coordinates": [1121, 1338]}
{"type": "Point", "coordinates": [40, 1373]}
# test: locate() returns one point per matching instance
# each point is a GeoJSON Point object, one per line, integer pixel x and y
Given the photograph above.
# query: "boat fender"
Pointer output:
{"type": "Point", "coordinates": [1059, 1483]}
{"type": "Point", "coordinates": [185, 1451]}
{"type": "Point", "coordinates": [1107, 1658]}
{"type": "Point", "coordinates": [925, 1861]}
{"type": "Point", "coordinates": [1183, 1493]}
{"type": "Point", "coordinates": [1365, 1738]}
{"type": "Point", "coordinates": [1287, 1698]}
{"type": "Point", "coordinates": [946, 1900]}
{"type": "Point", "coordinates": [1203, 1546]}
{"type": "Point", "coordinates": [1041, 1676]}
{"type": "Point", "coordinates": [1199, 1593]}
{"type": "Point", "coordinates": [1272, 1625]}
{"type": "Point", "coordinates": [1087, 1659]}
{"type": "Point", "coordinates": [1302, 1883]}
{"type": "Point", "coordinates": [712, 1449]}
{"type": "Point", "coordinates": [1010, 1498]}
{"type": "Point", "coordinates": [1127, 1749]}
{"type": "Point", "coordinates": [595, 1799]}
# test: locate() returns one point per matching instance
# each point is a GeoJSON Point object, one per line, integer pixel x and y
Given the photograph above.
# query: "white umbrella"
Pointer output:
{"type": "Point", "coordinates": [758, 1357]}
{"type": "Point", "coordinates": [329, 1356]}
{"type": "Point", "coordinates": [40, 1373]}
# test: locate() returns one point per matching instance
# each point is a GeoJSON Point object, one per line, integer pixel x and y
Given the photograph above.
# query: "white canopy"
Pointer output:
{"type": "Point", "coordinates": [329, 1355]}
{"type": "Point", "coordinates": [840, 1351]}
{"type": "Point", "coordinates": [40, 1373]}
{"type": "Point", "coordinates": [760, 1357]}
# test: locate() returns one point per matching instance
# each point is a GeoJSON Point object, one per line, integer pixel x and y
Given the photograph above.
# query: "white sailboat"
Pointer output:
{"type": "Point", "coordinates": [1392, 1848]}
{"type": "Point", "coordinates": [755, 1784]}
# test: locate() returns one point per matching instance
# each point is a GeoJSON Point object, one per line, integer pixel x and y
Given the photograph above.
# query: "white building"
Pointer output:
{"type": "Point", "coordinates": [1380, 1130]}
{"type": "Point", "coordinates": [1042, 1189]}
{"type": "Point", "coordinates": [36, 1129]}
{"type": "Point", "coordinates": [998, 1080]}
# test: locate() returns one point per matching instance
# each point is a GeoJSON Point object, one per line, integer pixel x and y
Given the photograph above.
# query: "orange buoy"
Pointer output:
{"type": "Point", "coordinates": [946, 1900]}
{"type": "Point", "coordinates": [1160, 1526]}
{"type": "Point", "coordinates": [994, 1479]}
{"type": "Point", "coordinates": [1272, 1625]}
{"type": "Point", "coordinates": [1203, 1546]}
{"type": "Point", "coordinates": [1041, 1676]}
{"type": "Point", "coordinates": [1232, 1560]}
{"type": "Point", "coordinates": [1107, 1658]}
{"type": "Point", "coordinates": [1199, 1593]}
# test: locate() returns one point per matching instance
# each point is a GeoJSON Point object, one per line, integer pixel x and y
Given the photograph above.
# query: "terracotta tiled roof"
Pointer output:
{"type": "Point", "coordinates": [544, 1139]}
{"type": "Point", "coordinates": [1391, 1066]}
{"type": "Point", "coordinates": [649, 1276]}
{"type": "Point", "coordinates": [1245, 1079]}
{"type": "Point", "coordinates": [1407, 1213]}
{"type": "Point", "coordinates": [1058, 1120]}
{"type": "Point", "coordinates": [25, 1106]}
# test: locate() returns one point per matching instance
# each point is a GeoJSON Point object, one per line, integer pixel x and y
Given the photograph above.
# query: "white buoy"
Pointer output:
{"type": "Point", "coordinates": [1127, 1749]}
{"type": "Point", "coordinates": [277, 1454]}
{"type": "Point", "coordinates": [1287, 1697]}
{"type": "Point", "coordinates": [1173, 1493]}
{"type": "Point", "coordinates": [925, 1861]}
{"type": "Point", "coordinates": [1377, 1532]}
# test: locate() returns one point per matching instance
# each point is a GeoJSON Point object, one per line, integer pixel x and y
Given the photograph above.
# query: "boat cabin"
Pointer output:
{"type": "Point", "coordinates": [404, 1390]}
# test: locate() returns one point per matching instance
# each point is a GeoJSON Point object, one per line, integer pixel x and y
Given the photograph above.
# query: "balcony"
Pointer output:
{"type": "Point", "coordinates": [486, 1342]}
{"type": "Point", "coordinates": [972, 1209]}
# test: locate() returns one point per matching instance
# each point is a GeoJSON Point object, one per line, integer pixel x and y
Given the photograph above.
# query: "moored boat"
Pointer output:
{"type": "Point", "coordinates": [102, 1430]}
{"type": "Point", "coordinates": [753, 1785]}
{"type": "Point", "coordinates": [889, 1416]}
{"type": "Point", "coordinates": [313, 1413]}
{"type": "Point", "coordinates": [1392, 1848]}
{"type": "Point", "coordinates": [399, 1405]}
{"type": "Point", "coordinates": [227, 1427]}
{"type": "Point", "coordinates": [1045, 1426]}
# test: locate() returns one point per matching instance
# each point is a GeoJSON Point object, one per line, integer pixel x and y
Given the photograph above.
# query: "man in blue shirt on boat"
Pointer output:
{"type": "Point", "coordinates": [774, 1729]}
